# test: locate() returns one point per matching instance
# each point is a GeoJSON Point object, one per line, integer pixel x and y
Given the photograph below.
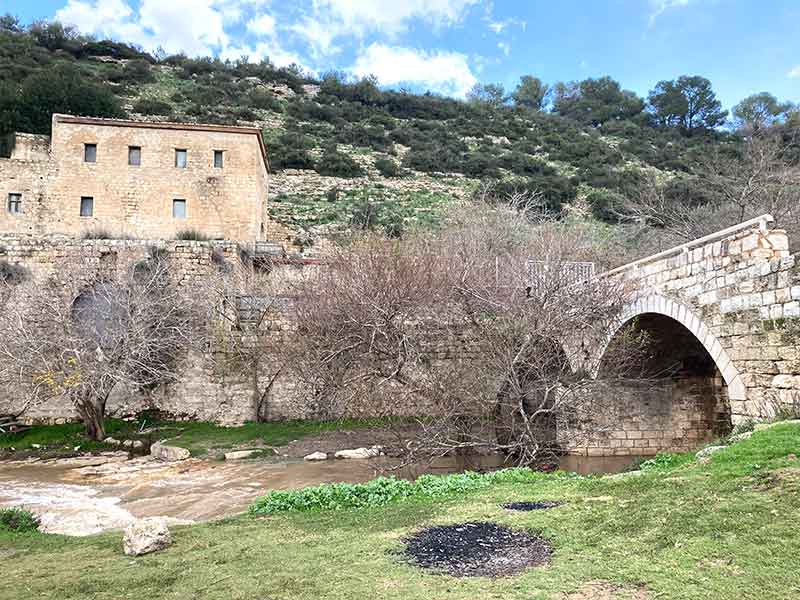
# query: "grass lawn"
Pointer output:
{"type": "Point", "coordinates": [196, 436]}
{"type": "Point", "coordinates": [724, 530]}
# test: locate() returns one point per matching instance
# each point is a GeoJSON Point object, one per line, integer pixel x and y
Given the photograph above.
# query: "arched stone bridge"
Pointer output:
{"type": "Point", "coordinates": [727, 307]}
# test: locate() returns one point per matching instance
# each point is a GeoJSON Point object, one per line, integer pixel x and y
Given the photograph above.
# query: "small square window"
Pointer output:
{"type": "Point", "coordinates": [90, 153]}
{"type": "Point", "coordinates": [218, 159]}
{"type": "Point", "coordinates": [15, 204]}
{"type": "Point", "coordinates": [178, 209]}
{"type": "Point", "coordinates": [87, 206]}
{"type": "Point", "coordinates": [134, 156]}
{"type": "Point", "coordinates": [180, 158]}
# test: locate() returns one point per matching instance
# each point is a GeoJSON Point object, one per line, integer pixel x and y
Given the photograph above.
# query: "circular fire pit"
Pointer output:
{"type": "Point", "coordinates": [477, 549]}
{"type": "Point", "coordinates": [525, 506]}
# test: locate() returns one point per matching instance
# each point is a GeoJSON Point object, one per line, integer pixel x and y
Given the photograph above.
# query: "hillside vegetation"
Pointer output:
{"type": "Point", "coordinates": [348, 154]}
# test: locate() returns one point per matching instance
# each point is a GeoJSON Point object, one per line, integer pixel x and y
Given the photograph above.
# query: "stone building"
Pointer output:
{"type": "Point", "coordinates": [133, 179]}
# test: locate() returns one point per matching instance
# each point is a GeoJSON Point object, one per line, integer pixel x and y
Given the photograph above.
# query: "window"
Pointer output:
{"type": "Point", "coordinates": [180, 158]}
{"type": "Point", "coordinates": [134, 155]}
{"type": "Point", "coordinates": [178, 209]}
{"type": "Point", "coordinates": [15, 204]}
{"type": "Point", "coordinates": [87, 206]}
{"type": "Point", "coordinates": [90, 153]}
{"type": "Point", "coordinates": [218, 159]}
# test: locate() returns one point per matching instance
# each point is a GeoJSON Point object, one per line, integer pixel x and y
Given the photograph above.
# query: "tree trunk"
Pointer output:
{"type": "Point", "coordinates": [92, 412]}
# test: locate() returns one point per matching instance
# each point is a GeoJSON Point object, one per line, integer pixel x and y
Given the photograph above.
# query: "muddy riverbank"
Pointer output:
{"type": "Point", "coordinates": [88, 494]}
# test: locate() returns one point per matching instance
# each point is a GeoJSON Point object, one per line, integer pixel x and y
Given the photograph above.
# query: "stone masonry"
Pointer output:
{"type": "Point", "coordinates": [131, 173]}
{"type": "Point", "coordinates": [738, 293]}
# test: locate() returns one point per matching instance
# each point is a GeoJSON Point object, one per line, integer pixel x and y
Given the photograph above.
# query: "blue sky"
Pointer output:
{"type": "Point", "coordinates": [448, 45]}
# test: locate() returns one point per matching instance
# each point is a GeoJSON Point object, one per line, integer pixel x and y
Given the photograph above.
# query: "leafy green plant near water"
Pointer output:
{"type": "Point", "coordinates": [387, 490]}
{"type": "Point", "coordinates": [18, 519]}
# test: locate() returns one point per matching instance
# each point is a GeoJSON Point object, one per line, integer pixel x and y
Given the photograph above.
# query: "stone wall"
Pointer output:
{"type": "Point", "coordinates": [645, 418]}
{"type": "Point", "coordinates": [202, 392]}
{"type": "Point", "coordinates": [739, 295]}
{"type": "Point", "coordinates": [137, 200]}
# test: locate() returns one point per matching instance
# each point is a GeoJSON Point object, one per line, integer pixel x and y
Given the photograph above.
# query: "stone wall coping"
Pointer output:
{"type": "Point", "coordinates": [763, 222]}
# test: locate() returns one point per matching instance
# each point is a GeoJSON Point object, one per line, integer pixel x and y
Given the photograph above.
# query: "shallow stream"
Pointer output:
{"type": "Point", "coordinates": [90, 494]}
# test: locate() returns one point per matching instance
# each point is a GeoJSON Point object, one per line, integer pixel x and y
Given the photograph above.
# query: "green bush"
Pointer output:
{"type": "Point", "coordinates": [146, 106]}
{"type": "Point", "coordinates": [264, 100]}
{"type": "Point", "coordinates": [385, 490]}
{"type": "Point", "coordinates": [606, 205]}
{"type": "Point", "coordinates": [387, 167]}
{"type": "Point", "coordinates": [337, 164]}
{"type": "Point", "coordinates": [18, 519]}
{"type": "Point", "coordinates": [191, 235]}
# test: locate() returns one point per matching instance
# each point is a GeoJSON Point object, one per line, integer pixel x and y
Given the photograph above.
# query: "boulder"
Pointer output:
{"type": "Point", "coordinates": [316, 456]}
{"type": "Point", "coordinates": [360, 453]}
{"type": "Point", "coordinates": [112, 441]}
{"type": "Point", "coordinates": [704, 456]}
{"type": "Point", "coordinates": [168, 453]}
{"type": "Point", "coordinates": [145, 536]}
{"type": "Point", "coordinates": [239, 454]}
{"type": "Point", "coordinates": [740, 437]}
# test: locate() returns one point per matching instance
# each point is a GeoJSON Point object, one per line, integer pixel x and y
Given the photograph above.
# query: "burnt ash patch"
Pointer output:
{"type": "Point", "coordinates": [525, 506]}
{"type": "Point", "coordinates": [477, 549]}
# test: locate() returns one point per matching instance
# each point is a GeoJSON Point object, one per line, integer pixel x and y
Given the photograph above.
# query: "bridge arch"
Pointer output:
{"type": "Point", "coordinates": [661, 305]}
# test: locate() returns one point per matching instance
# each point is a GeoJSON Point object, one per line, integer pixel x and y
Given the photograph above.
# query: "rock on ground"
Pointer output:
{"type": "Point", "coordinates": [168, 453]}
{"type": "Point", "coordinates": [739, 437]}
{"type": "Point", "coordinates": [239, 454]}
{"type": "Point", "coordinates": [316, 456]}
{"type": "Point", "coordinates": [145, 536]}
{"type": "Point", "coordinates": [359, 453]}
{"type": "Point", "coordinates": [704, 456]}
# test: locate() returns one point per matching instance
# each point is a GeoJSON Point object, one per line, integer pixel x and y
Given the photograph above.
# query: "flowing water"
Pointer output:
{"type": "Point", "coordinates": [86, 495]}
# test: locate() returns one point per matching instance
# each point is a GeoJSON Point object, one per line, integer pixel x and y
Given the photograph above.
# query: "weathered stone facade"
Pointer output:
{"type": "Point", "coordinates": [738, 293]}
{"type": "Point", "coordinates": [132, 176]}
{"type": "Point", "coordinates": [727, 305]}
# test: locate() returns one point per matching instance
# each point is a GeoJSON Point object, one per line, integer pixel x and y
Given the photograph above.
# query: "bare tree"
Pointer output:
{"type": "Point", "coordinates": [82, 333]}
{"type": "Point", "coordinates": [249, 326]}
{"type": "Point", "coordinates": [761, 177]}
{"type": "Point", "coordinates": [461, 328]}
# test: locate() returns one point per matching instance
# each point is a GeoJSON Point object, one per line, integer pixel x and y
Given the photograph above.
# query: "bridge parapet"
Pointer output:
{"type": "Point", "coordinates": [738, 292]}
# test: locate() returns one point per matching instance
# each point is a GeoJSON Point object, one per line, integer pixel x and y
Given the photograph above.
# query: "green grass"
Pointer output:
{"type": "Point", "coordinates": [726, 530]}
{"type": "Point", "coordinates": [196, 436]}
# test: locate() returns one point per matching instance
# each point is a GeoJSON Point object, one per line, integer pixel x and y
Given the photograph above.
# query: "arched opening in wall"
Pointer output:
{"type": "Point", "coordinates": [672, 397]}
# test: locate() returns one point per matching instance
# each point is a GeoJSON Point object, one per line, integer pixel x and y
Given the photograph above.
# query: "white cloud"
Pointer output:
{"type": "Point", "coordinates": [499, 26]}
{"type": "Point", "coordinates": [262, 25]}
{"type": "Point", "coordinates": [196, 27]}
{"type": "Point", "coordinates": [506, 48]}
{"type": "Point", "coordinates": [657, 8]}
{"type": "Point", "coordinates": [277, 55]}
{"type": "Point", "coordinates": [794, 73]}
{"type": "Point", "coordinates": [190, 26]}
{"type": "Point", "coordinates": [329, 20]}
{"type": "Point", "coordinates": [440, 71]}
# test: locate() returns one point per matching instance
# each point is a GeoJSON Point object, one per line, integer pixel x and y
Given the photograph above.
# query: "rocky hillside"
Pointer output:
{"type": "Point", "coordinates": [349, 154]}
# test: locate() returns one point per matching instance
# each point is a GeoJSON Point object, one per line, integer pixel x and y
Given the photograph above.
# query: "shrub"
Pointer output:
{"type": "Point", "coordinates": [606, 205]}
{"type": "Point", "coordinates": [387, 167]}
{"type": "Point", "coordinates": [146, 106]}
{"type": "Point", "coordinates": [12, 274]}
{"type": "Point", "coordinates": [18, 519]}
{"type": "Point", "coordinates": [97, 234]}
{"type": "Point", "coordinates": [385, 490]}
{"type": "Point", "coordinates": [337, 164]}
{"type": "Point", "coordinates": [264, 100]}
{"type": "Point", "coordinates": [332, 195]}
{"type": "Point", "coordinates": [191, 235]}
